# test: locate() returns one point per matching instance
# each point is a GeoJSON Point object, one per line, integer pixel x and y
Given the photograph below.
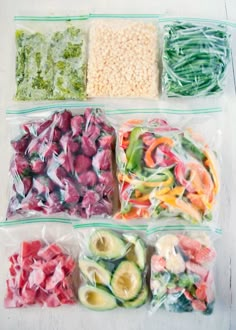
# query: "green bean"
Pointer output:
{"type": "Point", "coordinates": [195, 59]}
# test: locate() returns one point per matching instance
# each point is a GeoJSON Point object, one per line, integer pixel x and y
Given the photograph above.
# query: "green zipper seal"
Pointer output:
{"type": "Point", "coordinates": [183, 228]}
{"type": "Point", "coordinates": [53, 106]}
{"type": "Point", "coordinates": [109, 225]}
{"type": "Point", "coordinates": [124, 15]}
{"type": "Point", "coordinates": [197, 19]}
{"type": "Point", "coordinates": [34, 220]}
{"type": "Point", "coordinates": [51, 18]}
{"type": "Point", "coordinates": [163, 110]}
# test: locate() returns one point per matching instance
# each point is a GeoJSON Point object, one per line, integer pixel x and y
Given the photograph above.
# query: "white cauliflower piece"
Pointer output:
{"type": "Point", "coordinates": [202, 238]}
{"type": "Point", "coordinates": [175, 264]}
{"type": "Point", "coordinates": [165, 245]}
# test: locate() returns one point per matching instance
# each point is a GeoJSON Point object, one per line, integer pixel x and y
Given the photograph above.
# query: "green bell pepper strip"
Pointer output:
{"type": "Point", "coordinates": [191, 148]}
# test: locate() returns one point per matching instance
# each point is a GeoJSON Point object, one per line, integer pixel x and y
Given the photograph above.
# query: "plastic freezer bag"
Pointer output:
{"type": "Point", "coordinates": [123, 56]}
{"type": "Point", "coordinates": [61, 163]}
{"type": "Point", "coordinates": [196, 54]}
{"type": "Point", "coordinates": [51, 58]}
{"type": "Point", "coordinates": [182, 269]}
{"type": "Point", "coordinates": [112, 264]}
{"type": "Point", "coordinates": [168, 167]}
{"type": "Point", "coordinates": [39, 263]}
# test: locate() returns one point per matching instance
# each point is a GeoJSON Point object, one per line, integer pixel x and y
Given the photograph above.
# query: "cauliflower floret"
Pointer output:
{"type": "Point", "coordinates": [175, 264]}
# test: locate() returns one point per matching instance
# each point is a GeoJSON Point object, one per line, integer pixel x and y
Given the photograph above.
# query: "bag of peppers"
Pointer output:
{"type": "Point", "coordinates": [168, 168]}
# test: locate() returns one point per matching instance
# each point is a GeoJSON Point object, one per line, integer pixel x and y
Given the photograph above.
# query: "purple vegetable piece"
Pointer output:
{"type": "Point", "coordinates": [56, 134]}
{"type": "Point", "coordinates": [92, 132]}
{"type": "Point", "coordinates": [106, 141]}
{"type": "Point", "coordinates": [77, 123]}
{"type": "Point", "coordinates": [13, 207]}
{"type": "Point", "coordinates": [50, 149]}
{"type": "Point", "coordinates": [88, 178]}
{"type": "Point", "coordinates": [67, 143]}
{"type": "Point", "coordinates": [90, 198]}
{"type": "Point", "coordinates": [43, 184]}
{"type": "Point", "coordinates": [88, 146]}
{"type": "Point", "coordinates": [104, 190]}
{"type": "Point", "coordinates": [21, 144]}
{"type": "Point", "coordinates": [37, 165]}
{"type": "Point", "coordinates": [42, 127]}
{"type": "Point", "coordinates": [106, 178]}
{"type": "Point", "coordinates": [102, 207]}
{"type": "Point", "coordinates": [32, 202]}
{"type": "Point", "coordinates": [34, 146]}
{"type": "Point", "coordinates": [74, 146]}
{"type": "Point", "coordinates": [66, 160]}
{"type": "Point", "coordinates": [107, 128]}
{"type": "Point", "coordinates": [102, 160]}
{"type": "Point", "coordinates": [77, 211]}
{"type": "Point", "coordinates": [31, 127]}
{"type": "Point", "coordinates": [88, 114]}
{"type": "Point", "coordinates": [19, 165]}
{"type": "Point", "coordinates": [82, 190]}
{"type": "Point", "coordinates": [71, 193]}
{"type": "Point", "coordinates": [82, 164]}
{"type": "Point", "coordinates": [53, 204]}
{"type": "Point", "coordinates": [62, 120]}
{"type": "Point", "coordinates": [56, 173]}
{"type": "Point", "coordinates": [22, 186]}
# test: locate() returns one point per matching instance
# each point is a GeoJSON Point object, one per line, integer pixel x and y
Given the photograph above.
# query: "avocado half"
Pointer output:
{"type": "Point", "coordinates": [96, 298]}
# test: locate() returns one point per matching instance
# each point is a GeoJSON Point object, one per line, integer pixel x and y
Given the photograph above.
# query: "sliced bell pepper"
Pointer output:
{"type": "Point", "coordinates": [210, 164]}
{"type": "Point", "coordinates": [148, 155]}
{"type": "Point", "coordinates": [190, 147]}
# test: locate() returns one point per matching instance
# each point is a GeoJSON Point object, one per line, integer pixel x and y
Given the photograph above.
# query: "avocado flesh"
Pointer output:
{"type": "Point", "coordinates": [137, 253]}
{"type": "Point", "coordinates": [96, 298]}
{"type": "Point", "coordinates": [107, 245]}
{"type": "Point", "coordinates": [94, 272]}
{"type": "Point", "coordinates": [139, 301]}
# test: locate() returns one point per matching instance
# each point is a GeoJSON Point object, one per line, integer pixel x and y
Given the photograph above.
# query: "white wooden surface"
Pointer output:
{"type": "Point", "coordinates": [73, 317]}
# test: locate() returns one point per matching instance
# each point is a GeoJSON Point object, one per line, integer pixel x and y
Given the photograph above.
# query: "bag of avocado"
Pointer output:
{"type": "Point", "coordinates": [112, 265]}
{"type": "Point", "coordinates": [182, 268]}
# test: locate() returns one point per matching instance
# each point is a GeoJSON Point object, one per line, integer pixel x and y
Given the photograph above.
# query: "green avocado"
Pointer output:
{"type": "Point", "coordinates": [140, 300]}
{"type": "Point", "coordinates": [94, 272]}
{"type": "Point", "coordinates": [96, 298]}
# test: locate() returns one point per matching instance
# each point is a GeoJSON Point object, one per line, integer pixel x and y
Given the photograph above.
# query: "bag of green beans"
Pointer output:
{"type": "Point", "coordinates": [196, 54]}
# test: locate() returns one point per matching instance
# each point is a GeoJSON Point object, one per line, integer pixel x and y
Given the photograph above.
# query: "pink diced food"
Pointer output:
{"type": "Point", "coordinates": [40, 274]}
{"type": "Point", "coordinates": [58, 160]}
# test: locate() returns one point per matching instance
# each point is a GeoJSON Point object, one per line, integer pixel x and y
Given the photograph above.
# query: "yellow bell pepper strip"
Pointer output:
{"type": "Point", "coordinates": [132, 180]}
{"type": "Point", "coordinates": [181, 205]}
{"type": "Point", "coordinates": [177, 191]}
{"type": "Point", "coordinates": [148, 155]}
{"type": "Point", "coordinates": [210, 165]}
{"type": "Point", "coordinates": [134, 213]}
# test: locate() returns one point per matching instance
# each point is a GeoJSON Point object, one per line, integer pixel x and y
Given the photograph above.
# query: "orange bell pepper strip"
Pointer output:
{"type": "Point", "coordinates": [134, 213]}
{"type": "Point", "coordinates": [199, 202]}
{"type": "Point", "coordinates": [181, 205]}
{"type": "Point", "coordinates": [148, 155]}
{"type": "Point", "coordinates": [132, 180]}
{"type": "Point", "coordinates": [210, 164]}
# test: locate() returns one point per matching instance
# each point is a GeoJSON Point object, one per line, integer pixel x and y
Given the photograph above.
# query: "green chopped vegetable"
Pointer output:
{"type": "Point", "coordinates": [195, 59]}
{"type": "Point", "coordinates": [51, 66]}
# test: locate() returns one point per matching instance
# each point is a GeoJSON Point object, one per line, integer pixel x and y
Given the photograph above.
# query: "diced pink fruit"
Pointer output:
{"type": "Point", "coordinates": [56, 278]}
{"type": "Point", "coordinates": [198, 305]}
{"type": "Point", "coordinates": [88, 178]}
{"type": "Point", "coordinates": [106, 141]}
{"type": "Point", "coordinates": [82, 163]}
{"type": "Point", "coordinates": [197, 269]}
{"type": "Point", "coordinates": [42, 127]}
{"type": "Point", "coordinates": [158, 263]}
{"type": "Point", "coordinates": [22, 186]}
{"type": "Point", "coordinates": [28, 295]}
{"type": "Point", "coordinates": [63, 120]}
{"type": "Point", "coordinates": [69, 265]}
{"type": "Point", "coordinates": [49, 267]}
{"type": "Point", "coordinates": [43, 184]}
{"type": "Point", "coordinates": [19, 165]}
{"type": "Point", "coordinates": [49, 252]}
{"type": "Point", "coordinates": [71, 193]}
{"type": "Point", "coordinates": [205, 255]}
{"type": "Point", "coordinates": [187, 243]}
{"type": "Point", "coordinates": [30, 248]}
{"type": "Point", "coordinates": [14, 258]}
{"type": "Point", "coordinates": [37, 165]}
{"type": "Point", "coordinates": [88, 146]}
{"type": "Point", "coordinates": [31, 202]}
{"type": "Point", "coordinates": [52, 301]}
{"type": "Point", "coordinates": [77, 123]}
{"type": "Point", "coordinates": [102, 160]}
{"type": "Point", "coordinates": [21, 144]}
{"type": "Point", "coordinates": [36, 277]}
{"type": "Point", "coordinates": [90, 198]}
{"type": "Point", "coordinates": [27, 263]}
{"type": "Point", "coordinates": [201, 291]}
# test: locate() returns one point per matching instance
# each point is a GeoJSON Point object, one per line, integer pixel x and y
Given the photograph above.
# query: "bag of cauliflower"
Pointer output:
{"type": "Point", "coordinates": [181, 268]}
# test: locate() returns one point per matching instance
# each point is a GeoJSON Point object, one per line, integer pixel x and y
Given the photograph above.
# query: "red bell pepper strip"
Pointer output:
{"type": "Point", "coordinates": [148, 156]}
